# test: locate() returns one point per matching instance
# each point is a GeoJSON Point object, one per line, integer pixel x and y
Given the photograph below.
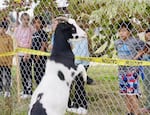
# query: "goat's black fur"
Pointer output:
{"type": "Point", "coordinates": [37, 108]}
{"type": "Point", "coordinates": [61, 51]}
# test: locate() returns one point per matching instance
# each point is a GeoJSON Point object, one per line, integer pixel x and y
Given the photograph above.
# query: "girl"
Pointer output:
{"type": "Point", "coordinates": [23, 34]}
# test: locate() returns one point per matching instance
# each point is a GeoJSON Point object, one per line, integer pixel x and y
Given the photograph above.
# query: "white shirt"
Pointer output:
{"type": "Point", "coordinates": [62, 3]}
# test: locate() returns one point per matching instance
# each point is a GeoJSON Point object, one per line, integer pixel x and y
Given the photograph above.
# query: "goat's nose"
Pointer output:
{"type": "Point", "coordinates": [76, 37]}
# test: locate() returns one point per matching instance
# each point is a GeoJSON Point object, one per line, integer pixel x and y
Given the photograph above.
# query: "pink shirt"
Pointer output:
{"type": "Point", "coordinates": [23, 36]}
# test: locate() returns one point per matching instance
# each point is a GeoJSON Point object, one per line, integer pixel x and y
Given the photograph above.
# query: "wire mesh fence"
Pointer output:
{"type": "Point", "coordinates": [114, 29]}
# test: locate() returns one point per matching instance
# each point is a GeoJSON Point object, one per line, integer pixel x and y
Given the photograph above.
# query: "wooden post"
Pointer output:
{"type": "Point", "coordinates": [17, 78]}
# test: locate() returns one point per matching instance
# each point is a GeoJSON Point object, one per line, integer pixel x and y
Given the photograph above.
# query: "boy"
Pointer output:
{"type": "Point", "coordinates": [39, 42]}
{"type": "Point", "coordinates": [128, 48]}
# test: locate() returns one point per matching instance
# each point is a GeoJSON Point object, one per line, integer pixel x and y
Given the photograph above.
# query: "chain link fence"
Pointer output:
{"type": "Point", "coordinates": [30, 24]}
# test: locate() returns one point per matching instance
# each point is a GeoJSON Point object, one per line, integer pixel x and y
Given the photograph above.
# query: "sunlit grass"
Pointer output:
{"type": "Point", "coordinates": [103, 97]}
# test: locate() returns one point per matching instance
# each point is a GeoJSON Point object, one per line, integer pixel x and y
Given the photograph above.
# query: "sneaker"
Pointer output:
{"type": "Point", "coordinates": [90, 81]}
{"type": "Point", "coordinates": [80, 110]}
{"type": "Point", "coordinates": [130, 113]}
{"type": "Point", "coordinates": [23, 92]}
{"type": "Point", "coordinates": [7, 94]}
{"type": "Point", "coordinates": [25, 96]}
{"type": "Point", "coordinates": [1, 93]}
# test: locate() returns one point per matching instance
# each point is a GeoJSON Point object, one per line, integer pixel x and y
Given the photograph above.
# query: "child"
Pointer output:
{"type": "Point", "coordinates": [6, 45]}
{"type": "Point", "coordinates": [39, 42]}
{"type": "Point", "coordinates": [127, 48]}
{"type": "Point", "coordinates": [23, 35]}
{"type": "Point", "coordinates": [146, 81]}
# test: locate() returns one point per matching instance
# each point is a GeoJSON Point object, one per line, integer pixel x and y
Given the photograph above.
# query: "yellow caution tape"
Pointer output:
{"type": "Point", "coordinates": [91, 59]}
{"type": "Point", "coordinates": [33, 52]}
{"type": "Point", "coordinates": [116, 61]}
{"type": "Point", "coordinates": [7, 54]}
{"type": "Point", "coordinates": [18, 1]}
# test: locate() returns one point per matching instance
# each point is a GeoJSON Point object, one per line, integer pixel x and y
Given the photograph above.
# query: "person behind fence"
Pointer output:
{"type": "Point", "coordinates": [80, 48]}
{"type": "Point", "coordinates": [62, 6]}
{"type": "Point", "coordinates": [23, 35]}
{"type": "Point", "coordinates": [39, 42]}
{"type": "Point", "coordinates": [6, 45]}
{"type": "Point", "coordinates": [54, 25]}
{"type": "Point", "coordinates": [128, 47]}
{"type": "Point", "coordinates": [146, 81]}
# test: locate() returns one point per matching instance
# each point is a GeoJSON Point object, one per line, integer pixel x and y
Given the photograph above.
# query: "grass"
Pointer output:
{"type": "Point", "coordinates": [103, 98]}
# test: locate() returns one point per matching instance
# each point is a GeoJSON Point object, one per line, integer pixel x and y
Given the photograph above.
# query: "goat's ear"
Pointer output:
{"type": "Point", "coordinates": [66, 26]}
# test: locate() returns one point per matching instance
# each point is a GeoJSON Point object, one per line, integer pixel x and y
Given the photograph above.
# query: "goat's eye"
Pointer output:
{"type": "Point", "coordinates": [76, 37]}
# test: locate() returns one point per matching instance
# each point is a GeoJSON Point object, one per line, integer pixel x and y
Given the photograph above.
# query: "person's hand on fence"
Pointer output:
{"type": "Point", "coordinates": [26, 57]}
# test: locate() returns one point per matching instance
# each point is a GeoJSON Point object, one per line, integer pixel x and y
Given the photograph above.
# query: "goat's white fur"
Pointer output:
{"type": "Point", "coordinates": [55, 91]}
{"type": "Point", "coordinates": [80, 31]}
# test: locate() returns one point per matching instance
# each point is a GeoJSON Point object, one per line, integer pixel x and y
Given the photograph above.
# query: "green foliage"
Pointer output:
{"type": "Point", "coordinates": [102, 13]}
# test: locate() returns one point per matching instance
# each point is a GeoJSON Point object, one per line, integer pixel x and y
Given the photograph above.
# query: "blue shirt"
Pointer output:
{"type": "Point", "coordinates": [128, 49]}
{"type": "Point", "coordinates": [80, 48]}
{"type": "Point", "coordinates": [146, 57]}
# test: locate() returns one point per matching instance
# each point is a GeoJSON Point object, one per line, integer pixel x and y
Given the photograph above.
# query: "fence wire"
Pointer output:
{"type": "Point", "coordinates": [110, 89]}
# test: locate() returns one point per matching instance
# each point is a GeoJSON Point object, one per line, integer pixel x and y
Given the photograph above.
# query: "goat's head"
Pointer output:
{"type": "Point", "coordinates": [67, 29]}
{"type": "Point", "coordinates": [80, 33]}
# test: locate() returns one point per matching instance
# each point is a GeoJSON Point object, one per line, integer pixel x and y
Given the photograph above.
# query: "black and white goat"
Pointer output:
{"type": "Point", "coordinates": [51, 95]}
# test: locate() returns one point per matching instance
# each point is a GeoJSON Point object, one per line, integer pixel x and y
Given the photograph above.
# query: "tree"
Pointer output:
{"type": "Point", "coordinates": [100, 13]}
